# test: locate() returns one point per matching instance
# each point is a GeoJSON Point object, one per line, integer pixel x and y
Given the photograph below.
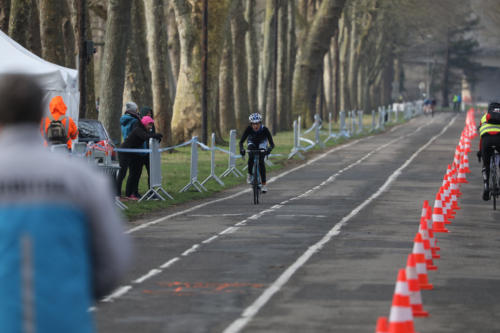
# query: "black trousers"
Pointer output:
{"type": "Point", "coordinates": [487, 141]}
{"type": "Point", "coordinates": [132, 163]}
{"type": "Point", "coordinates": [262, 165]}
{"type": "Point", "coordinates": [145, 162]}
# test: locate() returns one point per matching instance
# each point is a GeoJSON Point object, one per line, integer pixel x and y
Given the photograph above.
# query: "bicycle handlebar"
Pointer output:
{"type": "Point", "coordinates": [261, 150]}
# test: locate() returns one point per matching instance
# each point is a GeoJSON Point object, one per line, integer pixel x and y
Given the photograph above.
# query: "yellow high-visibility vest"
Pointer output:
{"type": "Point", "coordinates": [486, 127]}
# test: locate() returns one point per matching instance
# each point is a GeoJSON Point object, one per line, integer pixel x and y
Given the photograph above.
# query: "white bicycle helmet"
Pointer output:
{"type": "Point", "coordinates": [255, 118]}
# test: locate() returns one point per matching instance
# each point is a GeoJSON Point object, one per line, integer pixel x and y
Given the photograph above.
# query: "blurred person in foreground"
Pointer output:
{"type": "Point", "coordinates": [57, 128]}
{"type": "Point", "coordinates": [62, 245]}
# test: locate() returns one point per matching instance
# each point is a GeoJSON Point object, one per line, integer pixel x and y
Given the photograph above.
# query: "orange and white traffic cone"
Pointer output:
{"type": "Point", "coordinates": [382, 325]}
{"type": "Point", "coordinates": [401, 317]}
{"type": "Point", "coordinates": [438, 219]}
{"type": "Point", "coordinates": [432, 237]}
{"type": "Point", "coordinates": [420, 261]}
{"type": "Point", "coordinates": [421, 246]}
{"type": "Point", "coordinates": [427, 236]}
{"type": "Point", "coordinates": [465, 163]}
{"type": "Point", "coordinates": [461, 175]}
{"type": "Point", "coordinates": [414, 288]}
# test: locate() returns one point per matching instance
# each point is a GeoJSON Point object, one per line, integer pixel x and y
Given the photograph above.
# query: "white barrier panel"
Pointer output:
{"type": "Point", "coordinates": [155, 177]}
{"type": "Point", "coordinates": [317, 123]}
{"type": "Point", "coordinates": [232, 157]}
{"type": "Point", "coordinates": [296, 142]}
{"type": "Point", "coordinates": [194, 169]}
{"type": "Point", "coordinates": [373, 121]}
{"type": "Point", "coordinates": [360, 121]}
{"type": "Point", "coordinates": [331, 135]}
{"type": "Point", "coordinates": [212, 165]}
{"type": "Point", "coordinates": [343, 130]}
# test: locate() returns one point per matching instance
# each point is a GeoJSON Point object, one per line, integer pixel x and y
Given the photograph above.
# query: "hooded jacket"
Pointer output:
{"type": "Point", "coordinates": [58, 110]}
{"type": "Point", "coordinates": [128, 122]}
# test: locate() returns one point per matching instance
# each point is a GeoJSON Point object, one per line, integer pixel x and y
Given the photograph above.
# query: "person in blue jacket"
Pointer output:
{"type": "Point", "coordinates": [62, 245]}
{"type": "Point", "coordinates": [129, 119]}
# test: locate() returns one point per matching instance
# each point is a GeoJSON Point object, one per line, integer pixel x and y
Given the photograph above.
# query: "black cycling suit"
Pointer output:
{"type": "Point", "coordinates": [257, 139]}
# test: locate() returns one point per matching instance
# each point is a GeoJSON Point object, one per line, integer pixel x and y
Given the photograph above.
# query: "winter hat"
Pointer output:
{"type": "Point", "coordinates": [145, 110]}
{"type": "Point", "coordinates": [147, 120]}
{"type": "Point", "coordinates": [131, 106]}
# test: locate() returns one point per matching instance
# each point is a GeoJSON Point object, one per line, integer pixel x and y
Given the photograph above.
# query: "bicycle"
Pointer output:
{"type": "Point", "coordinates": [494, 188]}
{"type": "Point", "coordinates": [256, 180]}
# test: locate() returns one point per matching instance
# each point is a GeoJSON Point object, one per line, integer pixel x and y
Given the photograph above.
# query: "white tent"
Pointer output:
{"type": "Point", "coordinates": [54, 79]}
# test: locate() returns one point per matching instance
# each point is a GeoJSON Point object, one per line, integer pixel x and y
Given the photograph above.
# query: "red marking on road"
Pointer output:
{"type": "Point", "coordinates": [190, 288]}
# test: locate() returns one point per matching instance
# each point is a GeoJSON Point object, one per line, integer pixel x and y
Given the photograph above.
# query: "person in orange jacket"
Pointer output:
{"type": "Point", "coordinates": [58, 112]}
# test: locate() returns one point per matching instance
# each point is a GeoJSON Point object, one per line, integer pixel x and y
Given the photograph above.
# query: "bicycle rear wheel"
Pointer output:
{"type": "Point", "coordinates": [494, 183]}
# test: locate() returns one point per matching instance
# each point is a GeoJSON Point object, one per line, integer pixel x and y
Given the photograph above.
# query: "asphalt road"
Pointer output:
{"type": "Point", "coordinates": [321, 253]}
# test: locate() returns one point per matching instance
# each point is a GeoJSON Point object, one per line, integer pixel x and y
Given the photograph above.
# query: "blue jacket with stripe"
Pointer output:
{"type": "Point", "coordinates": [62, 244]}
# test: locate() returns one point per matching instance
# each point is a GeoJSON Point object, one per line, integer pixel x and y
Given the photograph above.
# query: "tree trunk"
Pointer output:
{"type": "Point", "coordinates": [239, 27]}
{"type": "Point", "coordinates": [4, 15]}
{"type": "Point", "coordinates": [52, 31]}
{"type": "Point", "coordinates": [311, 55]}
{"type": "Point", "coordinates": [345, 104]}
{"type": "Point", "coordinates": [227, 112]}
{"type": "Point", "coordinates": [20, 14]}
{"type": "Point", "coordinates": [173, 49]}
{"type": "Point", "coordinates": [282, 69]}
{"type": "Point", "coordinates": [186, 119]}
{"type": "Point", "coordinates": [22, 23]}
{"type": "Point", "coordinates": [157, 48]}
{"type": "Point", "coordinates": [291, 56]}
{"type": "Point", "coordinates": [328, 80]}
{"type": "Point", "coordinates": [68, 36]}
{"type": "Point", "coordinates": [113, 69]}
{"type": "Point", "coordinates": [336, 76]}
{"type": "Point", "coordinates": [137, 72]}
{"type": "Point", "coordinates": [91, 111]}
{"type": "Point", "coordinates": [352, 74]}
{"type": "Point", "coordinates": [252, 49]}
{"type": "Point", "coordinates": [267, 61]}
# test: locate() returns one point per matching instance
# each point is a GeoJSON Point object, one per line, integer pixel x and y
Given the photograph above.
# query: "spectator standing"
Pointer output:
{"type": "Point", "coordinates": [147, 111]}
{"type": "Point", "coordinates": [62, 242]}
{"type": "Point", "coordinates": [57, 128]}
{"type": "Point", "coordinates": [129, 119]}
{"type": "Point", "coordinates": [135, 140]}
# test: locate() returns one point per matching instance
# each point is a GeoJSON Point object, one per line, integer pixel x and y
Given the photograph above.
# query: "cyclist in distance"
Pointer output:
{"type": "Point", "coordinates": [489, 129]}
{"type": "Point", "coordinates": [259, 137]}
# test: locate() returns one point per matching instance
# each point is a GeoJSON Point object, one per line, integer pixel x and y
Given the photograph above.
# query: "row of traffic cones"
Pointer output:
{"type": "Point", "coordinates": [407, 300]}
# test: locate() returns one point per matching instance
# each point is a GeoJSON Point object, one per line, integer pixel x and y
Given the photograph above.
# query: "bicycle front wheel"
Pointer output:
{"type": "Point", "coordinates": [256, 194]}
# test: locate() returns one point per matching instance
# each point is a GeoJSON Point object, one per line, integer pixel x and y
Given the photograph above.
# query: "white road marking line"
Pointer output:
{"type": "Point", "coordinates": [273, 179]}
{"type": "Point", "coordinates": [191, 250]}
{"type": "Point", "coordinates": [170, 262]}
{"type": "Point", "coordinates": [303, 215]}
{"type": "Point", "coordinates": [151, 273]}
{"type": "Point", "coordinates": [117, 293]}
{"type": "Point", "coordinates": [256, 216]}
{"type": "Point", "coordinates": [250, 312]}
{"type": "Point", "coordinates": [214, 215]}
{"type": "Point", "coordinates": [227, 231]}
{"type": "Point", "coordinates": [206, 241]}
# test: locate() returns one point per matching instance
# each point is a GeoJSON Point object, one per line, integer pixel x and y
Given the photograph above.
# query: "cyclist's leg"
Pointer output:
{"type": "Point", "coordinates": [262, 167]}
{"type": "Point", "coordinates": [250, 160]}
{"type": "Point", "coordinates": [487, 152]}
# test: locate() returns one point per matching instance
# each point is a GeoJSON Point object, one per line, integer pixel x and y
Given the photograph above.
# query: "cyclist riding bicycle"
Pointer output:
{"type": "Point", "coordinates": [489, 129]}
{"type": "Point", "coordinates": [259, 137]}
